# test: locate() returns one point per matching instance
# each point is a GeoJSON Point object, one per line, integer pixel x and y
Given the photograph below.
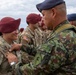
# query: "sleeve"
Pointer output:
{"type": "Point", "coordinates": [1, 55]}
{"type": "Point", "coordinates": [32, 67]}
{"type": "Point", "coordinates": [49, 57]}
{"type": "Point", "coordinates": [1, 58]}
{"type": "Point", "coordinates": [25, 39]}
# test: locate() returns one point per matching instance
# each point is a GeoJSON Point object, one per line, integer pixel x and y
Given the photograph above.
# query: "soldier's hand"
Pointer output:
{"type": "Point", "coordinates": [15, 47]}
{"type": "Point", "coordinates": [11, 57]}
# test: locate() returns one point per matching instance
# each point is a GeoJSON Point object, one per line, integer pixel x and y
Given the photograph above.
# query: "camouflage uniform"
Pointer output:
{"type": "Point", "coordinates": [57, 56]}
{"type": "Point", "coordinates": [19, 37]}
{"type": "Point", "coordinates": [27, 39]}
{"type": "Point", "coordinates": [5, 68]}
{"type": "Point", "coordinates": [38, 37]}
{"type": "Point", "coordinates": [29, 34]}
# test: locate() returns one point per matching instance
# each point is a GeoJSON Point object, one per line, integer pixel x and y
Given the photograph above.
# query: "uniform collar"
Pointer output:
{"type": "Point", "coordinates": [61, 24]}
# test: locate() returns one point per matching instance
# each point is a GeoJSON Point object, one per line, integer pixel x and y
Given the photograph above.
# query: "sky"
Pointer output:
{"type": "Point", "coordinates": [21, 8]}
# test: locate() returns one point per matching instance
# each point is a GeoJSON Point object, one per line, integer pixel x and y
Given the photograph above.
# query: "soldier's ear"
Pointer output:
{"type": "Point", "coordinates": [53, 12]}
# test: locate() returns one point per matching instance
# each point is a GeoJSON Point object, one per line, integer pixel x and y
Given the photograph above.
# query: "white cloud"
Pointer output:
{"type": "Point", "coordinates": [18, 8]}
{"type": "Point", "coordinates": [70, 4]}
{"type": "Point", "coordinates": [21, 8]}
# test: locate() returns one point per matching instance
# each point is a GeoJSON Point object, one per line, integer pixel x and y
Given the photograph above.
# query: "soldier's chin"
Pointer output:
{"type": "Point", "coordinates": [15, 38]}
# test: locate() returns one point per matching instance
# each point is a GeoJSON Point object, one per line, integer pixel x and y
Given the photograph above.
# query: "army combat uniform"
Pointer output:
{"type": "Point", "coordinates": [57, 56]}
{"type": "Point", "coordinates": [27, 39]}
{"type": "Point", "coordinates": [5, 67]}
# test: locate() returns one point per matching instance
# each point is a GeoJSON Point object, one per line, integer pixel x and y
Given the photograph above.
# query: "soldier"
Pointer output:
{"type": "Point", "coordinates": [72, 18]}
{"type": "Point", "coordinates": [27, 38]}
{"type": "Point", "coordinates": [8, 60]}
{"type": "Point", "coordinates": [58, 55]}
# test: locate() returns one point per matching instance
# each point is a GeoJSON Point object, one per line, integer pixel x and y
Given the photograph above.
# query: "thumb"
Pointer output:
{"type": "Point", "coordinates": [12, 48]}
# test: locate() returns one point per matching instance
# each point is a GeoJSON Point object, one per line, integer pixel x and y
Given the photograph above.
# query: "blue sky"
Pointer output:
{"type": "Point", "coordinates": [21, 8]}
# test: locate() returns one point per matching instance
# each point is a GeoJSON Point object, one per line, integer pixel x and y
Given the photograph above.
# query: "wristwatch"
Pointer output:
{"type": "Point", "coordinates": [12, 63]}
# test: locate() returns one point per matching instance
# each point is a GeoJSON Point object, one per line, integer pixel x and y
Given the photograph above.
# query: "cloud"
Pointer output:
{"type": "Point", "coordinates": [70, 4]}
{"type": "Point", "coordinates": [18, 8]}
{"type": "Point", "coordinates": [21, 8]}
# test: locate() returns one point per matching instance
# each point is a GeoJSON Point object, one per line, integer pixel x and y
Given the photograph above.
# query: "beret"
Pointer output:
{"type": "Point", "coordinates": [9, 24]}
{"type": "Point", "coordinates": [71, 17]}
{"type": "Point", "coordinates": [21, 29]}
{"type": "Point", "coordinates": [33, 18]}
{"type": "Point", "coordinates": [48, 4]}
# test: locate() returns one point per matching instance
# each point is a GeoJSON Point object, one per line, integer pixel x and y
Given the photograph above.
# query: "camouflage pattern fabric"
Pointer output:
{"type": "Point", "coordinates": [27, 39]}
{"type": "Point", "coordinates": [38, 36]}
{"type": "Point", "coordinates": [57, 56]}
{"type": "Point", "coordinates": [26, 58]}
{"type": "Point", "coordinates": [30, 41]}
{"type": "Point", "coordinates": [28, 32]}
{"type": "Point", "coordinates": [33, 39]}
{"type": "Point", "coordinates": [19, 38]}
{"type": "Point", "coordinates": [5, 68]}
{"type": "Point", "coordinates": [41, 36]}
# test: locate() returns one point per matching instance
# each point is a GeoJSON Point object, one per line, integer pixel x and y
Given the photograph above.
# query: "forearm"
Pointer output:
{"type": "Point", "coordinates": [27, 69]}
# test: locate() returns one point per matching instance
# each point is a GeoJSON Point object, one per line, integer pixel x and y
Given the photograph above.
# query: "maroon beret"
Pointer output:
{"type": "Point", "coordinates": [33, 18]}
{"type": "Point", "coordinates": [8, 24]}
{"type": "Point", "coordinates": [21, 29]}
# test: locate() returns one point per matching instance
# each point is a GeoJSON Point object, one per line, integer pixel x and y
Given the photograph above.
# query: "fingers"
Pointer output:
{"type": "Point", "coordinates": [11, 57]}
{"type": "Point", "coordinates": [15, 47]}
{"type": "Point", "coordinates": [12, 47]}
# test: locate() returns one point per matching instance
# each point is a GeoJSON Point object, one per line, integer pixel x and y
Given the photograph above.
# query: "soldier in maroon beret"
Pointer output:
{"type": "Point", "coordinates": [32, 20]}
{"type": "Point", "coordinates": [8, 59]}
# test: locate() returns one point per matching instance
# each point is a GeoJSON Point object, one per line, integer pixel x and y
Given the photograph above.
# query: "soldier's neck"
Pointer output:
{"type": "Point", "coordinates": [9, 41]}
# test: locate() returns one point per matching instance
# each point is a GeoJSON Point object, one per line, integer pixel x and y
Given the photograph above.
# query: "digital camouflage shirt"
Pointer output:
{"type": "Point", "coordinates": [5, 68]}
{"type": "Point", "coordinates": [57, 56]}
